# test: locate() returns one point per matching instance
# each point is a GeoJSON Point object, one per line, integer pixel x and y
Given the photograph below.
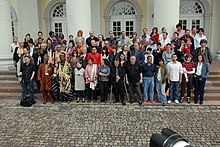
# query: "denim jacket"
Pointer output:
{"type": "Point", "coordinates": [205, 70]}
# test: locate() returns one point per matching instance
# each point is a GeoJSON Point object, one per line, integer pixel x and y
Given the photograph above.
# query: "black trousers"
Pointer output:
{"type": "Point", "coordinates": [103, 86]}
{"type": "Point", "coordinates": [119, 91]}
{"type": "Point", "coordinates": [91, 93]}
{"type": "Point", "coordinates": [187, 85]}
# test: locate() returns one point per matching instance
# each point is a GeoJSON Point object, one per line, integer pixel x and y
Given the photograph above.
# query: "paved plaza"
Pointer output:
{"type": "Point", "coordinates": [105, 125]}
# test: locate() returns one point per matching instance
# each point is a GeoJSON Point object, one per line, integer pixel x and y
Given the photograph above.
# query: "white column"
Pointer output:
{"type": "Point", "coordinates": [6, 35]}
{"type": "Point", "coordinates": [28, 18]}
{"type": "Point", "coordinates": [96, 18]}
{"type": "Point", "coordinates": [166, 14]}
{"type": "Point", "coordinates": [149, 14]}
{"type": "Point", "coordinates": [215, 32]}
{"type": "Point", "coordinates": [78, 16]}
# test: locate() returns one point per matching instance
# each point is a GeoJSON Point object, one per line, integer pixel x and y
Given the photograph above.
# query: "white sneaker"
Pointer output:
{"type": "Point", "coordinates": [176, 101]}
{"type": "Point", "coordinates": [169, 101]}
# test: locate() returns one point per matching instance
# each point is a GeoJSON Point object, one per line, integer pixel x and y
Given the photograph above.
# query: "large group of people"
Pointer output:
{"type": "Point", "coordinates": [142, 68]}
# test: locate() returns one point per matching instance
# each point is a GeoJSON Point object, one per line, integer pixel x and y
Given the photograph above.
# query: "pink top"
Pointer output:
{"type": "Point", "coordinates": [88, 73]}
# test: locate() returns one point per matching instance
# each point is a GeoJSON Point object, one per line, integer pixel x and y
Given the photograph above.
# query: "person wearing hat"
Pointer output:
{"type": "Point", "coordinates": [204, 50]}
{"type": "Point", "coordinates": [63, 72]}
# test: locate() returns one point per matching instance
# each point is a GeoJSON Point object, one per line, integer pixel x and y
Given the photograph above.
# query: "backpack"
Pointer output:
{"type": "Point", "coordinates": [27, 101]}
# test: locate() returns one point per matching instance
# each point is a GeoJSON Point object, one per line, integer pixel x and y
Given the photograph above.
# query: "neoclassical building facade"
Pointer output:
{"type": "Point", "coordinates": [67, 16]}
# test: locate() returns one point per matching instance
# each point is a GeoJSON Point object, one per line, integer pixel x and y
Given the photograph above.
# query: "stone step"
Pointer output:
{"type": "Point", "coordinates": [13, 72]}
{"type": "Point", "coordinates": [213, 78]}
{"type": "Point", "coordinates": [16, 95]}
{"type": "Point", "coordinates": [8, 77]}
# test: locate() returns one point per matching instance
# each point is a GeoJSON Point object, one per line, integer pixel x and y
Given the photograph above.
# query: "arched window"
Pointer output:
{"type": "Point", "coordinates": [58, 19]}
{"type": "Point", "coordinates": [191, 14]}
{"type": "Point", "coordinates": [123, 18]}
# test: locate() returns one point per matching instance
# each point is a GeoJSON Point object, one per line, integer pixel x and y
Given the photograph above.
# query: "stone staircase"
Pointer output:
{"type": "Point", "coordinates": [11, 89]}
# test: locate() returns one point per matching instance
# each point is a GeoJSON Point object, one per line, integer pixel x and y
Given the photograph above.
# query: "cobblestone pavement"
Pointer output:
{"type": "Point", "coordinates": [105, 125]}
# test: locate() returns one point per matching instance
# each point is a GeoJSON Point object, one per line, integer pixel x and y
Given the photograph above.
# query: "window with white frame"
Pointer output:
{"type": "Point", "coordinates": [58, 19]}
{"type": "Point", "coordinates": [123, 18]}
{"type": "Point", "coordinates": [191, 14]}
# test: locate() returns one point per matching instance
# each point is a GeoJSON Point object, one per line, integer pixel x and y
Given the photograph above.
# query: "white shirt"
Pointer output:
{"type": "Point", "coordinates": [159, 74]}
{"type": "Point", "coordinates": [164, 42]}
{"type": "Point", "coordinates": [198, 38]}
{"type": "Point", "coordinates": [174, 69]}
{"type": "Point", "coordinates": [199, 69]}
{"type": "Point", "coordinates": [147, 38]}
{"type": "Point", "coordinates": [31, 50]}
{"type": "Point", "coordinates": [13, 46]}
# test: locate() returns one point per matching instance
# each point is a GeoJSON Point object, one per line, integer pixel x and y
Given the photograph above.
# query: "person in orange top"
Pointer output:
{"type": "Point", "coordinates": [108, 46]}
{"type": "Point", "coordinates": [79, 47]}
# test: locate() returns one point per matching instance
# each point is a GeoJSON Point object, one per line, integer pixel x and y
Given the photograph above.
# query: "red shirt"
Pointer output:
{"type": "Point", "coordinates": [156, 37]}
{"type": "Point", "coordinates": [189, 66]}
{"type": "Point", "coordinates": [186, 50]}
{"type": "Point", "coordinates": [96, 57]}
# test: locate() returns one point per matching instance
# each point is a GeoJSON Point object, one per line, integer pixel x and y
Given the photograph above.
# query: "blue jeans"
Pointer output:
{"type": "Point", "coordinates": [199, 87]}
{"type": "Point", "coordinates": [28, 88]}
{"type": "Point", "coordinates": [148, 84]}
{"type": "Point", "coordinates": [174, 89]}
{"type": "Point", "coordinates": [161, 92]}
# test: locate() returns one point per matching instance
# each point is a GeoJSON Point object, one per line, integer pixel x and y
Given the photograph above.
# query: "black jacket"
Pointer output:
{"type": "Point", "coordinates": [121, 73]}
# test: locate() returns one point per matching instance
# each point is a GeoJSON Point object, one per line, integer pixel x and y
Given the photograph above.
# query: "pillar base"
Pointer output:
{"type": "Point", "coordinates": [217, 56]}
{"type": "Point", "coordinates": [6, 64]}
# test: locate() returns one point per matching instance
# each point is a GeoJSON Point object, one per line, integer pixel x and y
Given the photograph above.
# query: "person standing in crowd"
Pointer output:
{"type": "Point", "coordinates": [161, 76]}
{"type": "Point", "coordinates": [199, 37]}
{"type": "Point", "coordinates": [155, 35]}
{"type": "Point", "coordinates": [27, 39]}
{"type": "Point", "coordinates": [50, 39]}
{"type": "Point", "coordinates": [26, 53]}
{"type": "Point", "coordinates": [139, 54]}
{"type": "Point", "coordinates": [79, 36]}
{"type": "Point", "coordinates": [31, 47]}
{"type": "Point", "coordinates": [104, 54]}
{"type": "Point", "coordinates": [179, 30]}
{"type": "Point", "coordinates": [78, 47]}
{"type": "Point", "coordinates": [73, 59]}
{"type": "Point", "coordinates": [83, 57]}
{"type": "Point", "coordinates": [163, 30]}
{"type": "Point", "coordinates": [91, 37]}
{"type": "Point", "coordinates": [117, 78]}
{"type": "Point", "coordinates": [14, 45]}
{"type": "Point", "coordinates": [147, 54]}
{"type": "Point", "coordinates": [55, 43]}
{"type": "Point", "coordinates": [126, 52]}
{"type": "Point", "coordinates": [188, 71]}
{"type": "Point", "coordinates": [133, 79]}
{"type": "Point", "coordinates": [152, 44]}
{"type": "Point", "coordinates": [176, 40]}
{"type": "Point", "coordinates": [56, 56]}
{"type": "Point", "coordinates": [124, 39]}
{"type": "Point", "coordinates": [200, 76]}
{"type": "Point", "coordinates": [167, 55]}
{"type": "Point", "coordinates": [45, 73]}
{"type": "Point", "coordinates": [175, 77]}
{"type": "Point", "coordinates": [19, 51]}
{"type": "Point", "coordinates": [145, 36]}
{"type": "Point", "coordinates": [111, 40]}
{"type": "Point", "coordinates": [63, 72]}
{"type": "Point", "coordinates": [189, 40]}
{"type": "Point", "coordinates": [91, 76]}
{"type": "Point", "coordinates": [95, 56]}
{"type": "Point", "coordinates": [122, 60]}
{"type": "Point", "coordinates": [148, 70]}
{"type": "Point", "coordinates": [205, 51]}
{"type": "Point", "coordinates": [101, 42]}
{"type": "Point", "coordinates": [40, 36]}
{"type": "Point", "coordinates": [157, 54]}
{"type": "Point", "coordinates": [70, 49]}
{"type": "Point", "coordinates": [165, 40]}
{"type": "Point", "coordinates": [38, 59]}
{"type": "Point", "coordinates": [104, 73]}
{"type": "Point", "coordinates": [109, 47]}
{"type": "Point", "coordinates": [27, 73]}
{"type": "Point", "coordinates": [79, 87]}
{"type": "Point", "coordinates": [93, 43]}
{"type": "Point", "coordinates": [113, 55]}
